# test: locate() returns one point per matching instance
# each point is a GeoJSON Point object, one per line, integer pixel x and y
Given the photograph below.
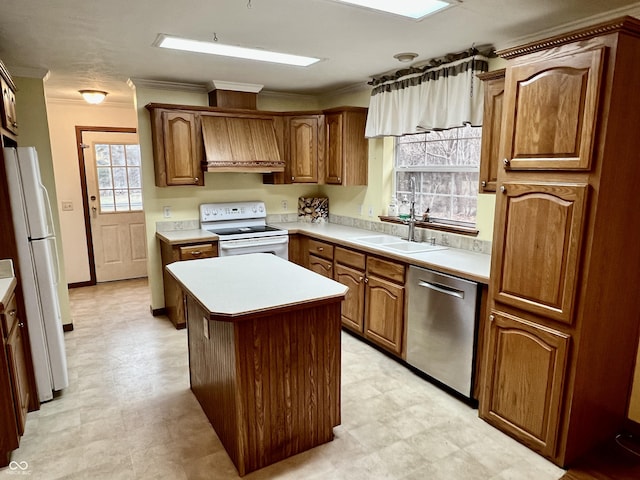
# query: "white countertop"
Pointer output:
{"type": "Point", "coordinates": [7, 285]}
{"type": "Point", "coordinates": [463, 263]}
{"type": "Point", "coordinates": [186, 236]}
{"type": "Point", "coordinates": [241, 285]}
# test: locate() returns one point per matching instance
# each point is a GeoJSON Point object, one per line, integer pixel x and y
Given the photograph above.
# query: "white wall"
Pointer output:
{"type": "Point", "coordinates": [63, 119]}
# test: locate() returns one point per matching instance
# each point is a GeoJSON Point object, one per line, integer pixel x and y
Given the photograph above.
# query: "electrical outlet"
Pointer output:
{"type": "Point", "coordinates": [285, 205]}
{"type": "Point", "coordinates": [166, 211]}
{"type": "Point", "coordinates": [371, 210]}
{"type": "Point", "coordinates": [67, 206]}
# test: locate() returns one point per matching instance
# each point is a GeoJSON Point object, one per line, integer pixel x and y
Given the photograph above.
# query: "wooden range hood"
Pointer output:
{"type": "Point", "coordinates": [239, 142]}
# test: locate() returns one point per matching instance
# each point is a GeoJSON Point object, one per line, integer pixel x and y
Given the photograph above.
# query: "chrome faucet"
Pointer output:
{"type": "Point", "coordinates": [412, 211]}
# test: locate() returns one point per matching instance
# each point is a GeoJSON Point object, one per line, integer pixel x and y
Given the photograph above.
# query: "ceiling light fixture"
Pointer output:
{"type": "Point", "coordinates": [407, 8]}
{"type": "Point", "coordinates": [215, 48]}
{"type": "Point", "coordinates": [405, 56]}
{"type": "Point", "coordinates": [94, 97]}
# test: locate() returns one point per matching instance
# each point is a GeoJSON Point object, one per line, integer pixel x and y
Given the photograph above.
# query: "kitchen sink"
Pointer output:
{"type": "Point", "coordinates": [389, 242]}
{"type": "Point", "coordinates": [377, 239]}
{"type": "Point", "coordinates": [412, 247]}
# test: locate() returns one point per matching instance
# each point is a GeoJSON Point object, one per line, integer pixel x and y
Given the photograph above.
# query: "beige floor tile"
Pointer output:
{"type": "Point", "coordinates": [129, 414]}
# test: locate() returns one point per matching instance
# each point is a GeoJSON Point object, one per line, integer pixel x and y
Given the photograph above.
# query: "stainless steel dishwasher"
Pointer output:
{"type": "Point", "coordinates": [441, 327]}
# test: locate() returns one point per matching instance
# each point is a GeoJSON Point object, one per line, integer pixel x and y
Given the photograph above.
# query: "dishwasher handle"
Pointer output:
{"type": "Point", "coordinates": [438, 287]}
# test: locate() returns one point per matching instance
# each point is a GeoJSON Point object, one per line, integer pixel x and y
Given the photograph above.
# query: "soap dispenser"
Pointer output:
{"type": "Point", "coordinates": [404, 208]}
{"type": "Point", "coordinates": [393, 207]}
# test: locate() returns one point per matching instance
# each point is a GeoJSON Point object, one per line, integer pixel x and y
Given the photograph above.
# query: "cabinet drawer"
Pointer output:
{"type": "Point", "coordinates": [350, 258]}
{"type": "Point", "coordinates": [320, 265]}
{"type": "Point", "coordinates": [193, 252]}
{"type": "Point", "coordinates": [321, 249]}
{"type": "Point", "coordinates": [386, 269]}
{"type": "Point", "coordinates": [9, 316]}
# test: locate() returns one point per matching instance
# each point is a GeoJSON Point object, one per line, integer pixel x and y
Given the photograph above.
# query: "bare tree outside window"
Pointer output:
{"type": "Point", "coordinates": [119, 177]}
{"type": "Point", "coordinates": [446, 167]}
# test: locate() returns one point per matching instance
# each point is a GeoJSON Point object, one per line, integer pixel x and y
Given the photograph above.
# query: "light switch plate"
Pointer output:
{"type": "Point", "coordinates": [205, 325]}
{"type": "Point", "coordinates": [67, 206]}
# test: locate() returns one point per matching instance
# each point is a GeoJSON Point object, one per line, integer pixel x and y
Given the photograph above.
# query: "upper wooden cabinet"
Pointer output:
{"type": "Point", "coordinates": [491, 129]}
{"type": "Point", "coordinates": [346, 148]}
{"type": "Point", "coordinates": [551, 111]}
{"type": "Point", "coordinates": [327, 147]}
{"type": "Point", "coordinates": [177, 147]}
{"type": "Point", "coordinates": [8, 113]}
{"type": "Point", "coordinates": [564, 266]}
{"type": "Point", "coordinates": [303, 133]}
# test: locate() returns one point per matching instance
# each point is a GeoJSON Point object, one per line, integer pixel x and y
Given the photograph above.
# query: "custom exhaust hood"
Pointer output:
{"type": "Point", "coordinates": [243, 142]}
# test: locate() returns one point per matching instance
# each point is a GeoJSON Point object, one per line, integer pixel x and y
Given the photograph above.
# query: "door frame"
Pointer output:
{"type": "Point", "coordinates": [85, 199]}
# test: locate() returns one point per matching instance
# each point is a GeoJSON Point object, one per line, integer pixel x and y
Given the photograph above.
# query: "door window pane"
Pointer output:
{"type": "Point", "coordinates": [119, 177]}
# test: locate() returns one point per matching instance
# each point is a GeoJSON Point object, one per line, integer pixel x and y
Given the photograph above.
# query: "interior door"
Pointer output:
{"type": "Point", "coordinates": [114, 190]}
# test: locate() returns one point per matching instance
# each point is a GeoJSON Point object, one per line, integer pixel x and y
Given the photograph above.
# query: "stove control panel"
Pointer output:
{"type": "Point", "coordinates": [215, 212]}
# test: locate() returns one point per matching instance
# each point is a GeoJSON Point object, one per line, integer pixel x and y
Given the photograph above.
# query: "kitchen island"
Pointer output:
{"type": "Point", "coordinates": [264, 354]}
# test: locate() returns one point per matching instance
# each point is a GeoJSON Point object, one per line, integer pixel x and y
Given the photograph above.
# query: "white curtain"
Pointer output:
{"type": "Point", "coordinates": [446, 96]}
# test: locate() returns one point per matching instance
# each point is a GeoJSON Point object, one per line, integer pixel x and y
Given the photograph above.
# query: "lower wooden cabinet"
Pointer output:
{"type": "Point", "coordinates": [353, 303]}
{"type": "Point", "coordinates": [524, 381]}
{"type": "Point", "coordinates": [321, 265]}
{"type": "Point", "coordinates": [384, 310]}
{"type": "Point", "coordinates": [173, 296]}
{"type": "Point", "coordinates": [14, 377]}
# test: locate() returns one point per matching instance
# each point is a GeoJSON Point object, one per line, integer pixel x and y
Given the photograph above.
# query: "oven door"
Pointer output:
{"type": "Point", "coordinates": [277, 245]}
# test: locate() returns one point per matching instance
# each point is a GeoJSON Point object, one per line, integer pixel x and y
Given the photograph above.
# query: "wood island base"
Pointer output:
{"type": "Point", "coordinates": [270, 385]}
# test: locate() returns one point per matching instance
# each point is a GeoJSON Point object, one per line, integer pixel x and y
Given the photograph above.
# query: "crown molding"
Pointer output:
{"type": "Point", "coordinates": [234, 86]}
{"type": "Point", "coordinates": [287, 95]}
{"type": "Point", "coordinates": [110, 103]}
{"type": "Point", "coordinates": [632, 10]}
{"type": "Point", "coordinates": [165, 85]}
{"type": "Point", "coordinates": [29, 72]}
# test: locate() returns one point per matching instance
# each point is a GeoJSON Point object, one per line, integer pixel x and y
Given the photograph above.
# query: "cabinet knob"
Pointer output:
{"type": "Point", "coordinates": [320, 249]}
{"type": "Point", "coordinates": [492, 317]}
{"type": "Point", "coordinates": [483, 183]}
{"type": "Point", "coordinates": [15, 124]}
{"type": "Point", "coordinates": [503, 189]}
{"type": "Point", "coordinates": [196, 180]}
{"type": "Point", "coordinates": [21, 324]}
{"type": "Point", "coordinates": [360, 279]}
{"type": "Point", "coordinates": [339, 179]}
{"type": "Point", "coordinates": [506, 162]}
{"type": "Point", "coordinates": [329, 267]}
{"type": "Point", "coordinates": [366, 280]}
{"type": "Point", "coordinates": [12, 313]}
{"type": "Point", "coordinates": [293, 179]}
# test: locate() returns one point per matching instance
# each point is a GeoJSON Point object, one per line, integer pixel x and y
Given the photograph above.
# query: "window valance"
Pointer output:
{"type": "Point", "coordinates": [446, 93]}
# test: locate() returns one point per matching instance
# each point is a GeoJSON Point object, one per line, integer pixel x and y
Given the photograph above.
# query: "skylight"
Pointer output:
{"type": "Point", "coordinates": [215, 48]}
{"type": "Point", "coordinates": [415, 9]}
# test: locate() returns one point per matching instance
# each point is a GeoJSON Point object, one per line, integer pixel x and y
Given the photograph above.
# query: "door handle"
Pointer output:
{"type": "Point", "coordinates": [454, 292]}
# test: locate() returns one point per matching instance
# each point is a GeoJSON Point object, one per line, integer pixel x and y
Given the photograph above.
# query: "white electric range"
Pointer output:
{"type": "Point", "coordinates": [242, 228]}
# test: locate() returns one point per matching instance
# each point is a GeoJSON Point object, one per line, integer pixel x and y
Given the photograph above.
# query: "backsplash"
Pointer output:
{"type": "Point", "coordinates": [169, 226]}
{"type": "Point", "coordinates": [452, 240]}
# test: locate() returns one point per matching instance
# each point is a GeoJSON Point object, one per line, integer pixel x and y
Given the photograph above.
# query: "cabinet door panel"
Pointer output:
{"type": "Point", "coordinates": [182, 157]}
{"type": "Point", "coordinates": [19, 376]}
{"type": "Point", "coordinates": [334, 149]}
{"type": "Point", "coordinates": [525, 372]}
{"type": "Point", "coordinates": [551, 112]}
{"type": "Point", "coordinates": [538, 240]}
{"type": "Point", "coordinates": [321, 266]}
{"type": "Point", "coordinates": [304, 149]}
{"type": "Point", "coordinates": [384, 313]}
{"type": "Point", "coordinates": [491, 133]}
{"type": "Point", "coordinates": [353, 303]}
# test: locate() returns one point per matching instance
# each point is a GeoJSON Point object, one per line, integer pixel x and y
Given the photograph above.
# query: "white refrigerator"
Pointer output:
{"type": "Point", "coordinates": [39, 273]}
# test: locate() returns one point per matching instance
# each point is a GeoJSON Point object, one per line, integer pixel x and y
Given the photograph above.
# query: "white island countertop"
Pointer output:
{"type": "Point", "coordinates": [470, 265]}
{"type": "Point", "coordinates": [245, 286]}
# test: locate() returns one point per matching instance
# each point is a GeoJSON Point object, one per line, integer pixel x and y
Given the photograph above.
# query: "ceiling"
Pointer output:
{"type": "Point", "coordinates": [101, 44]}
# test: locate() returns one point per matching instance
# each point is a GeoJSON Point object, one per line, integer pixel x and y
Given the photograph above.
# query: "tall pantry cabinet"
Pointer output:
{"type": "Point", "coordinates": [562, 327]}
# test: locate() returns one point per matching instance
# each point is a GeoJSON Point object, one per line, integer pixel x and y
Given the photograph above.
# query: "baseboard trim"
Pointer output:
{"type": "Point", "coordinates": [88, 283]}
{"type": "Point", "coordinates": [156, 312]}
{"type": "Point", "coordinates": [67, 327]}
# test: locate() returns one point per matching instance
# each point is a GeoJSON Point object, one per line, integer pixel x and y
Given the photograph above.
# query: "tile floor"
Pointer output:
{"type": "Point", "coordinates": [129, 414]}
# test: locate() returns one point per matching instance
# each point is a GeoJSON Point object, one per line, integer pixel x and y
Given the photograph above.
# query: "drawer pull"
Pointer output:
{"type": "Point", "coordinates": [196, 253]}
{"type": "Point", "coordinates": [320, 249]}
